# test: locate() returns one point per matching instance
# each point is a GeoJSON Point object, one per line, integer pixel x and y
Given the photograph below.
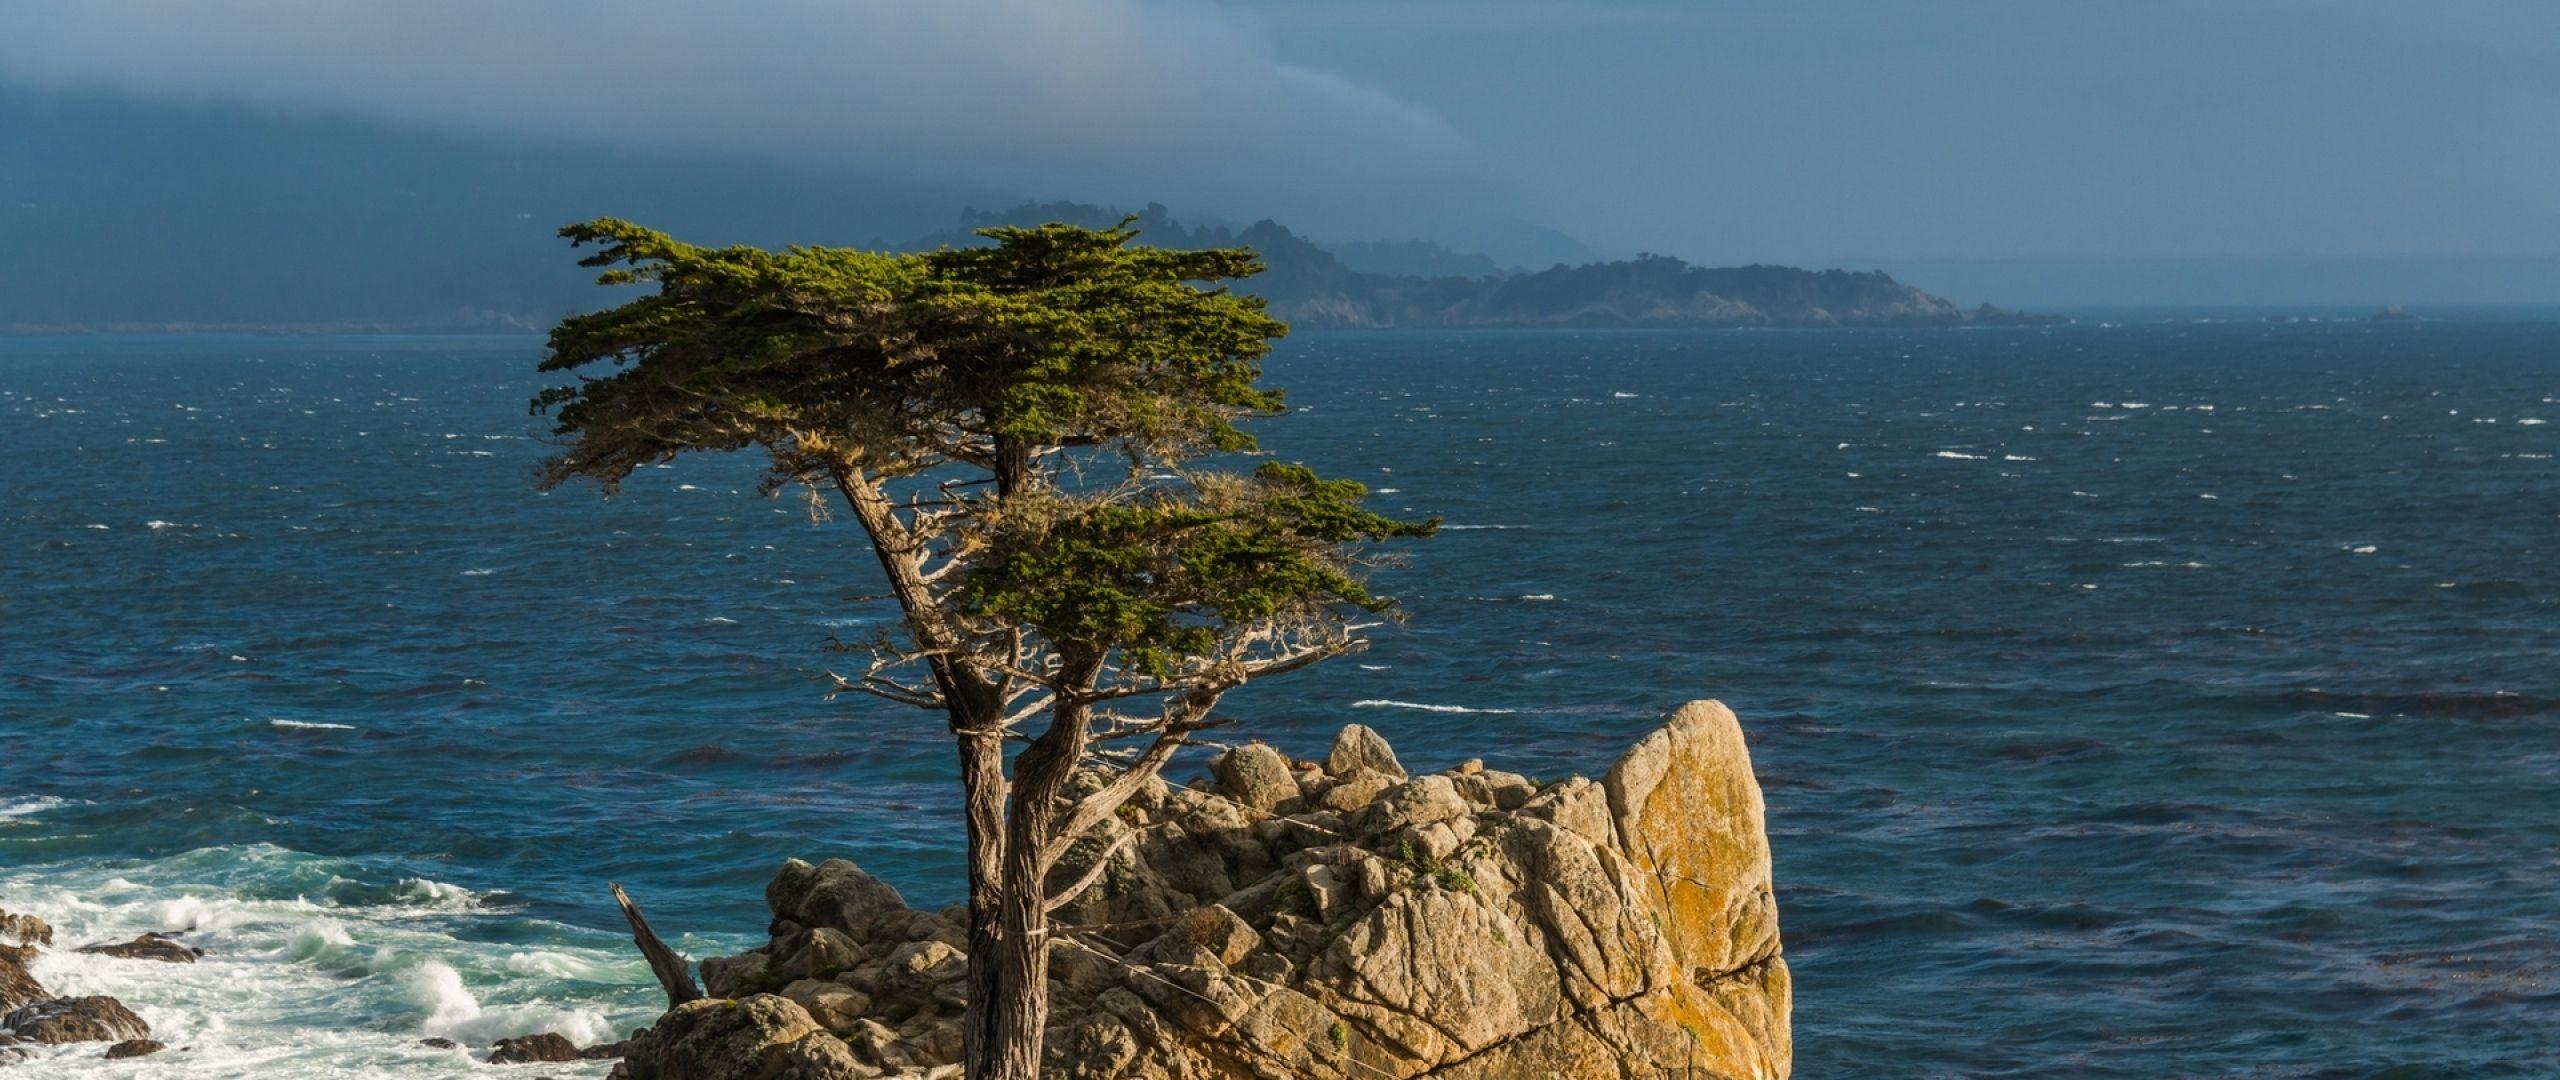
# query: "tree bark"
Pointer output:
{"type": "Point", "coordinates": [982, 797]}
{"type": "Point", "coordinates": [1015, 1017]}
{"type": "Point", "coordinates": [673, 973]}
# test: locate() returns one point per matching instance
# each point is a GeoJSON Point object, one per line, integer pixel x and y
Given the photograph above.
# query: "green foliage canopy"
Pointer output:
{"type": "Point", "coordinates": [856, 367]}
{"type": "Point", "coordinates": [1055, 337]}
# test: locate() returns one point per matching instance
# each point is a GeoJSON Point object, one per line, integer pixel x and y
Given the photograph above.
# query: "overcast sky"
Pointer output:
{"type": "Point", "coordinates": [1785, 131]}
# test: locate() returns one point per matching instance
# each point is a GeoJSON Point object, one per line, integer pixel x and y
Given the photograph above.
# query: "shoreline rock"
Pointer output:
{"type": "Point", "coordinates": [30, 1014]}
{"type": "Point", "coordinates": [1332, 919]}
{"type": "Point", "coordinates": [165, 948]}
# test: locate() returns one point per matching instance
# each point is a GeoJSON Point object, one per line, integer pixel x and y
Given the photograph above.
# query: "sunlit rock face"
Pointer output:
{"type": "Point", "coordinates": [1334, 919]}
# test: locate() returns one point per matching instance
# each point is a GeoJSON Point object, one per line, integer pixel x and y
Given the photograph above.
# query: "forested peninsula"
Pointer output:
{"type": "Point", "coordinates": [1418, 285]}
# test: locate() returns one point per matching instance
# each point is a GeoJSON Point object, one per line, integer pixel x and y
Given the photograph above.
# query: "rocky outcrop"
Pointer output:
{"type": "Point", "coordinates": [29, 1014]}
{"type": "Point", "coordinates": [1329, 920]}
{"type": "Point", "coordinates": [79, 1019]}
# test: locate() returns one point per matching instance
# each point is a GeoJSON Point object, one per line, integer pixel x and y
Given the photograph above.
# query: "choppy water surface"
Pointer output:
{"type": "Point", "coordinates": [2151, 700]}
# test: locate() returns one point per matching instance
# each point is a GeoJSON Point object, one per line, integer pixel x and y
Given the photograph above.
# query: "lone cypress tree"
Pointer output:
{"type": "Point", "coordinates": [1020, 431]}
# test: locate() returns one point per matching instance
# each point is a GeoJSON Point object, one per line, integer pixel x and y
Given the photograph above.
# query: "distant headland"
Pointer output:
{"type": "Point", "coordinates": [1419, 285]}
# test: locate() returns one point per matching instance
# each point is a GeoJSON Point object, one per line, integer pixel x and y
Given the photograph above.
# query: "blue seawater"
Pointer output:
{"type": "Point", "coordinates": [2163, 699]}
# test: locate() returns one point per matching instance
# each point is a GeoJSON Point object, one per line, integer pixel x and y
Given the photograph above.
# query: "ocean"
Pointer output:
{"type": "Point", "coordinates": [2138, 698]}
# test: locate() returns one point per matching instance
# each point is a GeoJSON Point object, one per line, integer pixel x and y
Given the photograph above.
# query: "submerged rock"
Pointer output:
{"type": "Point", "coordinates": [1332, 921]}
{"type": "Point", "coordinates": [165, 948]}
{"type": "Point", "coordinates": [134, 1048]}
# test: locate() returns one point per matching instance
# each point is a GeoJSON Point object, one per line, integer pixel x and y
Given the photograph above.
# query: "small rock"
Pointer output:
{"type": "Point", "coordinates": [1510, 790]}
{"type": "Point", "coordinates": [834, 1006]}
{"type": "Point", "coordinates": [604, 1051]}
{"type": "Point", "coordinates": [161, 947]}
{"type": "Point", "coordinates": [134, 1048]}
{"type": "Point", "coordinates": [1212, 930]}
{"type": "Point", "coordinates": [1420, 801]}
{"type": "Point", "coordinates": [921, 971]}
{"type": "Point", "coordinates": [736, 976]}
{"type": "Point", "coordinates": [79, 1019]}
{"type": "Point", "coordinates": [1357, 789]}
{"type": "Point", "coordinates": [1326, 887]}
{"type": "Point", "coordinates": [439, 1043]}
{"type": "Point", "coordinates": [1361, 747]}
{"type": "Point", "coordinates": [545, 1046]}
{"type": "Point", "coordinates": [821, 953]}
{"type": "Point", "coordinates": [1469, 767]}
{"type": "Point", "coordinates": [1256, 775]}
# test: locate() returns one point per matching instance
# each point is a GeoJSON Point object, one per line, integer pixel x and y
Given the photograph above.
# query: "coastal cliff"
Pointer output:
{"type": "Point", "coordinates": [1333, 919]}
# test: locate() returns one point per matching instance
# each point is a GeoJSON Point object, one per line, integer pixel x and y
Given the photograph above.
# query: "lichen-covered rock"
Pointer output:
{"type": "Point", "coordinates": [1342, 922]}
{"type": "Point", "coordinates": [763, 1037]}
{"type": "Point", "coordinates": [1257, 776]}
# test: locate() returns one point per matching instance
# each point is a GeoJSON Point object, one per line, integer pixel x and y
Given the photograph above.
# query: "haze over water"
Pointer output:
{"type": "Point", "coordinates": [2148, 700]}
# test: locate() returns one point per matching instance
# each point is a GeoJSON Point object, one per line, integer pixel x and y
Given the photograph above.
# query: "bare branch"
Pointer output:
{"type": "Point", "coordinates": [1181, 719]}
{"type": "Point", "coordinates": [1094, 873]}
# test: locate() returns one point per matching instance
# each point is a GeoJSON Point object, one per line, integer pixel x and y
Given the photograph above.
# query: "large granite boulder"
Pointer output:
{"type": "Point", "coordinates": [1333, 920]}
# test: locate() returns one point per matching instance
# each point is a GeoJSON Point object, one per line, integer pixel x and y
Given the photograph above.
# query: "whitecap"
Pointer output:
{"type": "Point", "coordinates": [2361, 549]}
{"type": "Point", "coordinates": [30, 805]}
{"type": "Point", "coordinates": [156, 525]}
{"type": "Point", "coordinates": [478, 573]}
{"type": "Point", "coordinates": [1959, 455]}
{"type": "Point", "coordinates": [308, 725]}
{"type": "Point", "coordinates": [720, 619]}
{"type": "Point", "coordinates": [1538, 596]}
{"type": "Point", "coordinates": [2015, 457]}
{"type": "Point", "coordinates": [1457, 528]}
{"type": "Point", "coordinates": [1377, 667]}
{"type": "Point", "coordinates": [1623, 394]}
{"type": "Point", "coordinates": [1390, 703]}
{"type": "Point", "coordinates": [2530, 421]}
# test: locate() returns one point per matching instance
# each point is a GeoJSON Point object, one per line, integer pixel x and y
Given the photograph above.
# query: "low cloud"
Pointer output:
{"type": "Point", "coordinates": [1095, 98]}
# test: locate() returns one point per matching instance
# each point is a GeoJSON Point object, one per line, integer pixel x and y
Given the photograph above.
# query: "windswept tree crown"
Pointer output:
{"type": "Point", "coordinates": [865, 366]}
{"type": "Point", "coordinates": [1054, 337]}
